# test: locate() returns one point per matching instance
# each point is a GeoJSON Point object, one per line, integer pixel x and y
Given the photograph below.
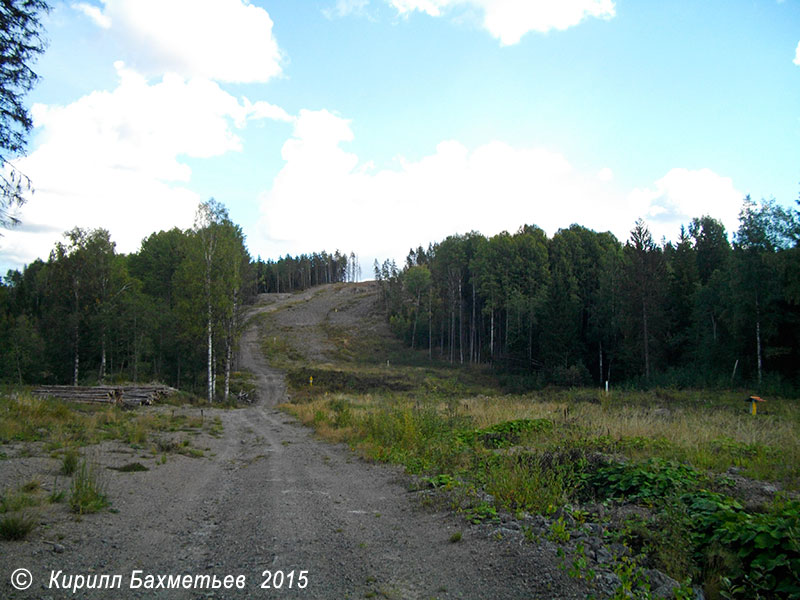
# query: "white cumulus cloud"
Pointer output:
{"type": "Point", "coordinates": [325, 196]}
{"type": "Point", "coordinates": [509, 20]}
{"type": "Point", "coordinates": [224, 40]}
{"type": "Point", "coordinates": [797, 55]}
{"type": "Point", "coordinates": [683, 194]}
{"type": "Point", "coordinates": [113, 159]}
{"type": "Point", "coordinates": [325, 193]}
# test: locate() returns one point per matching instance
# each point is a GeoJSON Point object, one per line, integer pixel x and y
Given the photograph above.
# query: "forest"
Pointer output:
{"type": "Point", "coordinates": [583, 308]}
{"type": "Point", "coordinates": [579, 308]}
{"type": "Point", "coordinates": [171, 312]}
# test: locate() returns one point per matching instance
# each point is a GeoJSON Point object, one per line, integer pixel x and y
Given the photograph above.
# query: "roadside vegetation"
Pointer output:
{"type": "Point", "coordinates": [684, 481]}
{"type": "Point", "coordinates": [63, 427]}
{"type": "Point", "coordinates": [559, 452]}
{"type": "Point", "coordinates": [68, 432]}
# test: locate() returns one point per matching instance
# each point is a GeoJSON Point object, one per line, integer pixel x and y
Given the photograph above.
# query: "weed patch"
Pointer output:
{"type": "Point", "coordinates": [25, 418]}
{"type": "Point", "coordinates": [505, 434]}
{"type": "Point", "coordinates": [541, 452]}
{"type": "Point", "coordinates": [87, 493]}
{"type": "Point", "coordinates": [16, 526]}
{"type": "Point", "coordinates": [653, 479]}
{"type": "Point", "coordinates": [16, 501]}
{"type": "Point", "coordinates": [69, 462]}
{"type": "Point", "coordinates": [746, 555]}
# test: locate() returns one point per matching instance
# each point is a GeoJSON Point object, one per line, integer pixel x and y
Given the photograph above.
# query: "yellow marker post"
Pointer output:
{"type": "Point", "coordinates": [311, 380]}
{"type": "Point", "coordinates": [754, 400]}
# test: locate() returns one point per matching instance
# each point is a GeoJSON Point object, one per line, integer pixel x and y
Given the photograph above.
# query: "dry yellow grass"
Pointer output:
{"type": "Point", "coordinates": [709, 436]}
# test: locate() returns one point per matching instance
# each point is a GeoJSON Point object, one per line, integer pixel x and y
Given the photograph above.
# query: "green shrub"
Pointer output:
{"type": "Point", "coordinates": [505, 434]}
{"type": "Point", "coordinates": [761, 551]}
{"type": "Point", "coordinates": [652, 479]}
{"type": "Point", "coordinates": [342, 414]}
{"type": "Point", "coordinates": [738, 554]}
{"type": "Point", "coordinates": [483, 511]}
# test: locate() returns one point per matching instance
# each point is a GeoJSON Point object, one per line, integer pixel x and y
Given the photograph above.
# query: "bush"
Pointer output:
{"type": "Point", "coordinates": [761, 551]}
{"type": "Point", "coordinates": [652, 479]}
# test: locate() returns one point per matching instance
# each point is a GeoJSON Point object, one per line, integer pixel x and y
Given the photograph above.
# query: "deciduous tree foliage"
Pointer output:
{"type": "Point", "coordinates": [579, 308]}
{"type": "Point", "coordinates": [171, 312]}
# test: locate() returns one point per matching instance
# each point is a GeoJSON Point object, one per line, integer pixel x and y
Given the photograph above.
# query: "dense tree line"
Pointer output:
{"type": "Point", "coordinates": [291, 274]}
{"type": "Point", "coordinates": [170, 312]}
{"type": "Point", "coordinates": [582, 307]}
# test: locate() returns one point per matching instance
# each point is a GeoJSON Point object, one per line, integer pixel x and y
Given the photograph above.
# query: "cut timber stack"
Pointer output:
{"type": "Point", "coordinates": [127, 395]}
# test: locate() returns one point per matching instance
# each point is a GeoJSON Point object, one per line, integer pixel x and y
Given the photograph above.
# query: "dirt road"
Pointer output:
{"type": "Point", "coordinates": [269, 497]}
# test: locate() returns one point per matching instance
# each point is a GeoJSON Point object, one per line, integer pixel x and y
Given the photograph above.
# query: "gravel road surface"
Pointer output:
{"type": "Point", "coordinates": [268, 496]}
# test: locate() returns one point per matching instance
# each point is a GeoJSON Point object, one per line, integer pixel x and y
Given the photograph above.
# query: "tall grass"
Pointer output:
{"type": "Point", "coordinates": [540, 452]}
{"type": "Point", "coordinates": [709, 433]}
{"type": "Point", "coordinates": [16, 526]}
{"type": "Point", "coordinates": [27, 418]}
{"type": "Point", "coordinates": [87, 492]}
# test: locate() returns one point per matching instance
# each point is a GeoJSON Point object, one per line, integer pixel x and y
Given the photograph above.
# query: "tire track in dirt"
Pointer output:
{"type": "Point", "coordinates": [308, 505]}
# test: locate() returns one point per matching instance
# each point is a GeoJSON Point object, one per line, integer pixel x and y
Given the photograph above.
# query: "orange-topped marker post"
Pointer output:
{"type": "Point", "coordinates": [754, 400]}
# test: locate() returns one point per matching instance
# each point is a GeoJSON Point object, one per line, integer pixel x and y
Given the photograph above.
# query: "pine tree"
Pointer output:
{"type": "Point", "coordinates": [21, 40]}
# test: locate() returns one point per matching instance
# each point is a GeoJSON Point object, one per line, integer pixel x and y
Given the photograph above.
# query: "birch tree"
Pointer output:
{"type": "Point", "coordinates": [210, 283]}
{"type": "Point", "coordinates": [763, 231]}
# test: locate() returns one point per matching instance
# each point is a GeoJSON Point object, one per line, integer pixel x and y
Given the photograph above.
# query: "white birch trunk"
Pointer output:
{"type": "Point", "coordinates": [102, 375]}
{"type": "Point", "coordinates": [210, 358]}
{"type": "Point", "coordinates": [228, 352]}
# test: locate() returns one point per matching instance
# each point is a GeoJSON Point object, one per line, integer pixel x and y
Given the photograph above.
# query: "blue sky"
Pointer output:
{"type": "Point", "coordinates": [373, 126]}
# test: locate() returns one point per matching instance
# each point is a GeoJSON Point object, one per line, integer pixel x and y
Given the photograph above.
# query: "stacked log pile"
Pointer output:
{"type": "Point", "coordinates": [122, 395]}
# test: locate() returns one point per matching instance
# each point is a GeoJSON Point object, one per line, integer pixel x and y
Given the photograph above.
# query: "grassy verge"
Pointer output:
{"type": "Point", "coordinates": [19, 509]}
{"type": "Point", "coordinates": [62, 430]}
{"type": "Point", "coordinates": [673, 480]}
{"type": "Point", "coordinates": [62, 427]}
{"type": "Point", "coordinates": [667, 452]}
